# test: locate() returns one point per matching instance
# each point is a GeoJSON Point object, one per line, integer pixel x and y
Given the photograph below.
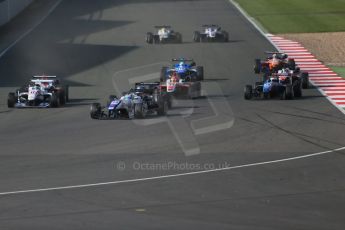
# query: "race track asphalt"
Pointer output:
{"type": "Point", "coordinates": [98, 48]}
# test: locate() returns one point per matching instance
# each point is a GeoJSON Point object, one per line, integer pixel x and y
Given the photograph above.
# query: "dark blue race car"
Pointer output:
{"type": "Point", "coordinates": [186, 70]}
{"type": "Point", "coordinates": [283, 85]}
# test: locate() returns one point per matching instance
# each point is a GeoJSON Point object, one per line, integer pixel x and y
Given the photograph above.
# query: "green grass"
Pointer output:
{"type": "Point", "coordinates": [297, 16]}
{"type": "Point", "coordinates": [339, 70]}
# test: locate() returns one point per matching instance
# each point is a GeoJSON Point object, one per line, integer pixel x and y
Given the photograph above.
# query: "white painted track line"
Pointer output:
{"type": "Point", "coordinates": [171, 175]}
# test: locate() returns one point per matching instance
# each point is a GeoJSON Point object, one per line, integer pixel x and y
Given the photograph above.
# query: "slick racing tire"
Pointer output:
{"type": "Point", "coordinates": [11, 100]}
{"type": "Point", "coordinates": [149, 38]}
{"type": "Point", "coordinates": [139, 111]}
{"type": "Point", "coordinates": [95, 111]}
{"type": "Point", "coordinates": [54, 100]}
{"type": "Point", "coordinates": [62, 96]}
{"type": "Point", "coordinates": [200, 73]}
{"type": "Point", "coordinates": [288, 93]}
{"type": "Point", "coordinates": [197, 36]}
{"type": "Point", "coordinates": [305, 80]}
{"type": "Point", "coordinates": [248, 92]}
{"type": "Point", "coordinates": [297, 88]}
{"type": "Point", "coordinates": [291, 64]}
{"type": "Point", "coordinates": [162, 107]}
{"type": "Point", "coordinates": [178, 37]}
{"type": "Point", "coordinates": [66, 93]}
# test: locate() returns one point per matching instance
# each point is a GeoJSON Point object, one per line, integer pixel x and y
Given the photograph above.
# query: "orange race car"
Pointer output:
{"type": "Point", "coordinates": [274, 62]}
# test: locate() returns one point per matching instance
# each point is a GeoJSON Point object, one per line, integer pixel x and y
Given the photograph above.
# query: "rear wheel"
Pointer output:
{"type": "Point", "coordinates": [196, 36]}
{"type": "Point", "coordinates": [156, 39]}
{"type": "Point", "coordinates": [248, 92]}
{"type": "Point", "coordinates": [139, 111]}
{"type": "Point", "coordinates": [162, 107]}
{"type": "Point", "coordinates": [11, 100]}
{"type": "Point", "coordinates": [178, 37]}
{"type": "Point", "coordinates": [62, 97]}
{"type": "Point", "coordinates": [149, 38]}
{"type": "Point", "coordinates": [292, 64]}
{"type": "Point", "coordinates": [297, 89]}
{"type": "Point", "coordinates": [200, 73]}
{"type": "Point", "coordinates": [95, 111]}
{"type": "Point", "coordinates": [288, 93]}
{"type": "Point", "coordinates": [66, 93]}
{"type": "Point", "coordinates": [305, 80]}
{"type": "Point", "coordinates": [54, 100]}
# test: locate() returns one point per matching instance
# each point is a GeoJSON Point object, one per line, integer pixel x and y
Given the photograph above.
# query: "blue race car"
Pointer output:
{"type": "Point", "coordinates": [186, 70]}
{"type": "Point", "coordinates": [283, 85]}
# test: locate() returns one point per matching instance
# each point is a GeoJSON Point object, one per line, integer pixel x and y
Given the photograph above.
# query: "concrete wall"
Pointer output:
{"type": "Point", "coordinates": [10, 8]}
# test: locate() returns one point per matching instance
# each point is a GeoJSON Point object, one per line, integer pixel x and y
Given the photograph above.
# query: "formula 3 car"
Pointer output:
{"type": "Point", "coordinates": [211, 33]}
{"type": "Point", "coordinates": [181, 88]}
{"type": "Point", "coordinates": [41, 92]}
{"type": "Point", "coordinates": [144, 100]}
{"type": "Point", "coordinates": [164, 34]}
{"type": "Point", "coordinates": [185, 68]}
{"type": "Point", "coordinates": [274, 61]}
{"type": "Point", "coordinates": [285, 85]}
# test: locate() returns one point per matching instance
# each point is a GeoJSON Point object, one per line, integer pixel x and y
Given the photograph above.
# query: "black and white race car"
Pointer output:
{"type": "Point", "coordinates": [164, 34]}
{"type": "Point", "coordinates": [40, 92]}
{"type": "Point", "coordinates": [143, 100]}
{"type": "Point", "coordinates": [211, 33]}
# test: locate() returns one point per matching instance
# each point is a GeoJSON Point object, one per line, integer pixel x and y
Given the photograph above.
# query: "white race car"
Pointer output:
{"type": "Point", "coordinates": [211, 33]}
{"type": "Point", "coordinates": [164, 34]}
{"type": "Point", "coordinates": [41, 92]}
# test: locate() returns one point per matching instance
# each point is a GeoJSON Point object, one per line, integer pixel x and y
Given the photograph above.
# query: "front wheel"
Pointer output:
{"type": "Point", "coordinates": [288, 93]}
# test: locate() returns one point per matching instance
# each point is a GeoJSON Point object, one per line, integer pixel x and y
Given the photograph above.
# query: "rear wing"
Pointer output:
{"type": "Point", "coordinates": [181, 59]}
{"type": "Point", "coordinates": [211, 25]}
{"type": "Point", "coordinates": [273, 52]}
{"type": "Point", "coordinates": [149, 87]}
{"type": "Point", "coordinates": [280, 54]}
{"type": "Point", "coordinates": [147, 83]}
{"type": "Point", "coordinates": [163, 26]}
{"type": "Point", "coordinates": [44, 79]}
